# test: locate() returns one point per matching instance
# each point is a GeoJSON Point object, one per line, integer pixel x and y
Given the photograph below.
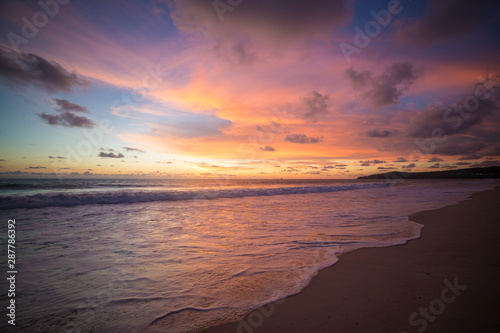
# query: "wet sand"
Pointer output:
{"type": "Point", "coordinates": [446, 281]}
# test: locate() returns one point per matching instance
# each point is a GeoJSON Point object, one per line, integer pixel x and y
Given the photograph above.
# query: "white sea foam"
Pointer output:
{"type": "Point", "coordinates": [128, 196]}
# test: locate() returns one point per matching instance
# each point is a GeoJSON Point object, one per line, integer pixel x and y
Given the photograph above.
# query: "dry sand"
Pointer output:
{"type": "Point", "coordinates": [381, 289]}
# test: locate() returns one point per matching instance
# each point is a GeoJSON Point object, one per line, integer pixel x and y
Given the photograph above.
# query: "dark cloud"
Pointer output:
{"type": "Point", "coordinates": [448, 166]}
{"type": "Point", "coordinates": [2, 160]}
{"type": "Point", "coordinates": [111, 155]}
{"type": "Point", "coordinates": [435, 159]}
{"type": "Point", "coordinates": [454, 119]}
{"type": "Point", "coordinates": [386, 88]}
{"type": "Point", "coordinates": [459, 146]}
{"type": "Point", "coordinates": [67, 119]}
{"type": "Point", "coordinates": [27, 69]}
{"type": "Point", "coordinates": [316, 105]}
{"type": "Point", "coordinates": [462, 163]}
{"type": "Point", "coordinates": [473, 156]}
{"type": "Point", "coordinates": [435, 166]}
{"type": "Point", "coordinates": [375, 133]}
{"type": "Point", "coordinates": [401, 159]}
{"type": "Point", "coordinates": [302, 138]}
{"type": "Point", "coordinates": [485, 164]}
{"type": "Point", "coordinates": [370, 162]}
{"type": "Point", "coordinates": [449, 19]}
{"type": "Point", "coordinates": [63, 105]}
{"type": "Point", "coordinates": [133, 149]}
{"type": "Point", "coordinates": [278, 20]}
{"type": "Point", "coordinates": [36, 167]}
{"type": "Point", "coordinates": [267, 148]}
{"type": "Point", "coordinates": [386, 168]}
{"type": "Point", "coordinates": [409, 166]}
{"type": "Point", "coordinates": [57, 157]}
{"type": "Point", "coordinates": [66, 116]}
{"type": "Point", "coordinates": [12, 173]}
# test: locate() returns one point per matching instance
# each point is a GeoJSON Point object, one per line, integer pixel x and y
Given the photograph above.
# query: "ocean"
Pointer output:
{"type": "Point", "coordinates": [121, 255]}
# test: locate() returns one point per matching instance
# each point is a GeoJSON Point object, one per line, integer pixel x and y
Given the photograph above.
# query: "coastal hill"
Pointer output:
{"type": "Point", "coordinates": [489, 172]}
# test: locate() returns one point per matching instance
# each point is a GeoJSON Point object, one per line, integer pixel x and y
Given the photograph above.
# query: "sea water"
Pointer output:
{"type": "Point", "coordinates": [118, 255]}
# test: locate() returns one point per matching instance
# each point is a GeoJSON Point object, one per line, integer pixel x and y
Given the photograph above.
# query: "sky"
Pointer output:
{"type": "Point", "coordinates": [247, 88]}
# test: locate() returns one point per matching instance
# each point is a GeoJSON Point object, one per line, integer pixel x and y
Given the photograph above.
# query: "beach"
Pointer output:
{"type": "Point", "coordinates": [186, 255]}
{"type": "Point", "coordinates": [445, 281]}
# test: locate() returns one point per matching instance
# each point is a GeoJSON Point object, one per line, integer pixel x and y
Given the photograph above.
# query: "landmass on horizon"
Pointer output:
{"type": "Point", "coordinates": [488, 172]}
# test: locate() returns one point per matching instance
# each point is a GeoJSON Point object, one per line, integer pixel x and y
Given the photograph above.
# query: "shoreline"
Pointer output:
{"type": "Point", "coordinates": [446, 280]}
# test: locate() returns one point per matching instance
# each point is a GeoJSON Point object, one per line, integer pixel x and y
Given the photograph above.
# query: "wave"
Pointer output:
{"type": "Point", "coordinates": [122, 197]}
{"type": "Point", "coordinates": [31, 186]}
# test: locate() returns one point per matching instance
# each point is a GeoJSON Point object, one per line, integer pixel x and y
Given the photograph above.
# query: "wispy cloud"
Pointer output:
{"type": "Point", "coordinates": [128, 149]}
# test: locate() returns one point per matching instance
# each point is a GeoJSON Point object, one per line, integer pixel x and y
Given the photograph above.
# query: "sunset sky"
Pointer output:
{"type": "Point", "coordinates": [248, 88]}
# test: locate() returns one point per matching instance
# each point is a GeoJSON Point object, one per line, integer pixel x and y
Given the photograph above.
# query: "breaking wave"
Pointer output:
{"type": "Point", "coordinates": [121, 197]}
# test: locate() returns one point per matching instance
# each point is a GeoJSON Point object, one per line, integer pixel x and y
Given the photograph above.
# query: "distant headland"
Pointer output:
{"type": "Point", "coordinates": [489, 172]}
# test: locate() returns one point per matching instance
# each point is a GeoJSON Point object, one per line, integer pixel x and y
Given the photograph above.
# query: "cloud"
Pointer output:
{"type": "Point", "coordinates": [66, 116]}
{"type": "Point", "coordinates": [473, 156]}
{"type": "Point", "coordinates": [435, 166]}
{"type": "Point", "coordinates": [435, 159]}
{"type": "Point", "coordinates": [409, 166]}
{"type": "Point", "coordinates": [267, 148]}
{"type": "Point", "coordinates": [459, 146]}
{"type": "Point", "coordinates": [448, 166]}
{"type": "Point", "coordinates": [63, 105]}
{"type": "Point", "coordinates": [375, 133]}
{"type": "Point", "coordinates": [27, 69]}
{"type": "Point", "coordinates": [453, 119]}
{"type": "Point", "coordinates": [401, 159]}
{"type": "Point", "coordinates": [133, 149]}
{"type": "Point", "coordinates": [462, 163]}
{"type": "Point", "coordinates": [57, 157]}
{"type": "Point", "coordinates": [278, 20]}
{"type": "Point", "coordinates": [316, 104]}
{"type": "Point", "coordinates": [485, 164]}
{"type": "Point", "coordinates": [302, 138]}
{"type": "Point", "coordinates": [370, 162]}
{"type": "Point", "coordinates": [386, 88]}
{"type": "Point", "coordinates": [111, 155]}
{"type": "Point", "coordinates": [36, 167]}
{"type": "Point", "coordinates": [67, 119]}
{"type": "Point", "coordinates": [441, 23]}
